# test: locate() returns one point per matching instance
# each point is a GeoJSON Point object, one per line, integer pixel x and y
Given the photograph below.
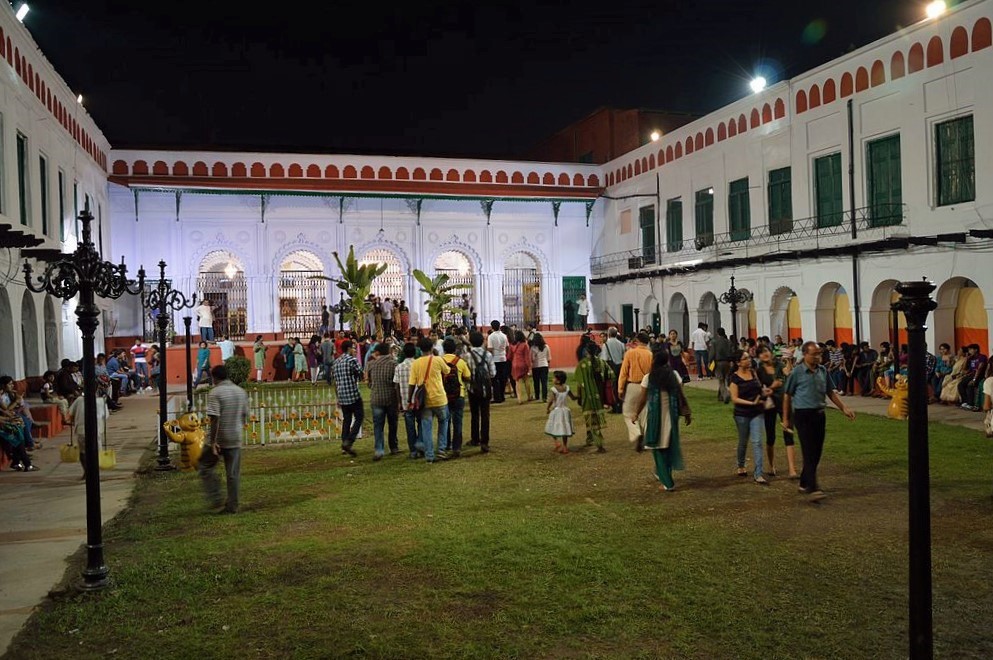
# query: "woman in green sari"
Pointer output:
{"type": "Point", "coordinates": [662, 402]}
{"type": "Point", "coordinates": [591, 375]}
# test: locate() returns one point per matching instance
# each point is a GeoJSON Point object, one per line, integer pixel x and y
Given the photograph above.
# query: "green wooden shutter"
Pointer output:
{"type": "Point", "coordinates": [956, 161]}
{"type": "Point", "coordinates": [674, 225]}
{"type": "Point", "coordinates": [704, 218]}
{"type": "Point", "coordinates": [827, 188]}
{"type": "Point", "coordinates": [780, 201]}
{"type": "Point", "coordinates": [646, 220]}
{"type": "Point", "coordinates": [739, 214]}
{"type": "Point", "coordinates": [885, 185]}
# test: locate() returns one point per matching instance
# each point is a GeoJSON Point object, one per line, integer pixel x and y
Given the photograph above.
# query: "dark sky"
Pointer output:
{"type": "Point", "coordinates": [423, 77]}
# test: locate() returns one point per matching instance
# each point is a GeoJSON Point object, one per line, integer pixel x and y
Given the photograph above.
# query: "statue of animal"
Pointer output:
{"type": "Point", "coordinates": [187, 432]}
{"type": "Point", "coordinates": [898, 408]}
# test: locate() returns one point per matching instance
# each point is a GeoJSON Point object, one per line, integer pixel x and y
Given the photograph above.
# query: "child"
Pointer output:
{"type": "Point", "coordinates": [48, 395]}
{"type": "Point", "coordinates": [559, 424]}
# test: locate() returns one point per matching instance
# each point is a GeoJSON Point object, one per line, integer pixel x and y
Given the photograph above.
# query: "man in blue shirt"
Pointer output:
{"type": "Point", "coordinates": [803, 403]}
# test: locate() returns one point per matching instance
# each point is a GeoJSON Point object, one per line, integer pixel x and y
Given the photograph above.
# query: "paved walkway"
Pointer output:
{"type": "Point", "coordinates": [44, 517]}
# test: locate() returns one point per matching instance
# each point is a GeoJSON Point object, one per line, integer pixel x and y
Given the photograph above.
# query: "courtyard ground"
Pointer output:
{"type": "Point", "coordinates": [525, 553]}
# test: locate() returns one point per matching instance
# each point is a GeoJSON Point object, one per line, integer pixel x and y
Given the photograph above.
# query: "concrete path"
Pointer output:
{"type": "Point", "coordinates": [44, 513]}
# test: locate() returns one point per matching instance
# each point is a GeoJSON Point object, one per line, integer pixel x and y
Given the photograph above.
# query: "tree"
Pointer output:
{"type": "Point", "coordinates": [356, 281]}
{"type": "Point", "coordinates": [440, 294]}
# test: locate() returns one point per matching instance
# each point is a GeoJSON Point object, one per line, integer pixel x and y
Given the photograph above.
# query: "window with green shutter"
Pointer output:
{"type": "Point", "coordinates": [780, 201]}
{"type": "Point", "coordinates": [646, 220]}
{"type": "Point", "coordinates": [739, 214]}
{"type": "Point", "coordinates": [704, 216]}
{"type": "Point", "coordinates": [827, 189]}
{"type": "Point", "coordinates": [955, 154]}
{"type": "Point", "coordinates": [674, 225]}
{"type": "Point", "coordinates": [885, 186]}
{"type": "Point", "coordinates": [22, 178]}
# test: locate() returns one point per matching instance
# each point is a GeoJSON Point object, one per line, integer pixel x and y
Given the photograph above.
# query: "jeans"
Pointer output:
{"type": "Point", "coordinates": [811, 425]}
{"type": "Point", "coordinates": [582, 322]}
{"type": "Point", "coordinates": [427, 417]}
{"type": "Point", "coordinates": [352, 422]}
{"type": "Point", "coordinates": [412, 423]}
{"type": "Point", "coordinates": [500, 380]}
{"type": "Point", "coordinates": [381, 416]}
{"type": "Point", "coordinates": [701, 364]}
{"type": "Point", "coordinates": [479, 425]}
{"type": "Point", "coordinates": [750, 429]}
{"type": "Point", "coordinates": [212, 482]}
{"type": "Point", "coordinates": [968, 387]}
{"type": "Point", "coordinates": [207, 334]}
{"type": "Point", "coordinates": [456, 409]}
{"type": "Point", "coordinates": [540, 377]}
{"type": "Point", "coordinates": [142, 369]}
{"type": "Point", "coordinates": [203, 372]}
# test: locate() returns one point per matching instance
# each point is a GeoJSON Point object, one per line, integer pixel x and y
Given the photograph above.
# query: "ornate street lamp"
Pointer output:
{"type": "Point", "coordinates": [86, 274]}
{"type": "Point", "coordinates": [187, 320]}
{"type": "Point", "coordinates": [343, 307]}
{"type": "Point", "coordinates": [734, 297]}
{"type": "Point", "coordinates": [916, 303]}
{"type": "Point", "coordinates": [165, 299]}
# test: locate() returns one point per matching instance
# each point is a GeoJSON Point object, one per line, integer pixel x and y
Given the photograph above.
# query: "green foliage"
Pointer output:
{"type": "Point", "coordinates": [440, 294]}
{"type": "Point", "coordinates": [356, 281]}
{"type": "Point", "coordinates": [238, 368]}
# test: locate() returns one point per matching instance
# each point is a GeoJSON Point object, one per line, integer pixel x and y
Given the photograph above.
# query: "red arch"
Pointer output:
{"type": "Point", "coordinates": [593, 181]}
{"type": "Point", "coordinates": [140, 168]}
{"type": "Point", "coordinates": [331, 172]}
{"type": "Point", "coordinates": [610, 178]}
{"type": "Point", "coordinates": [766, 113]}
{"type": "Point", "coordinates": [577, 179]}
{"type": "Point", "coordinates": [384, 173]}
{"type": "Point", "coordinates": [960, 42]}
{"type": "Point", "coordinates": [814, 97]}
{"type": "Point", "coordinates": [3, 41]}
{"type": "Point", "coordinates": [756, 120]}
{"type": "Point", "coordinates": [679, 150]}
{"type": "Point", "coordinates": [120, 167]}
{"type": "Point", "coordinates": [180, 168]}
{"type": "Point", "coordinates": [830, 92]}
{"type": "Point", "coordinates": [349, 172]}
{"type": "Point", "coordinates": [878, 75]}
{"type": "Point", "coordinates": [619, 176]}
{"type": "Point", "coordinates": [276, 170]}
{"type": "Point", "coordinates": [295, 171]}
{"type": "Point", "coordinates": [533, 178]}
{"type": "Point", "coordinates": [651, 162]}
{"type": "Point", "coordinates": [644, 164]}
{"type": "Point", "coordinates": [10, 53]}
{"type": "Point", "coordinates": [898, 68]}
{"type": "Point", "coordinates": [486, 176]}
{"type": "Point", "coordinates": [435, 174]}
{"type": "Point", "coordinates": [982, 35]}
{"type": "Point", "coordinates": [722, 132]}
{"type": "Point", "coordinates": [452, 175]}
{"type": "Point", "coordinates": [517, 178]}
{"type": "Point", "coordinates": [159, 168]}
{"type": "Point", "coordinates": [419, 174]}
{"type": "Point", "coordinates": [17, 60]}
{"type": "Point", "coordinates": [239, 170]}
{"type": "Point", "coordinates": [779, 109]}
{"type": "Point", "coordinates": [637, 167]}
{"type": "Point", "coordinates": [698, 141]}
{"type": "Point", "coordinates": [563, 179]}
{"type": "Point", "coordinates": [689, 145]}
{"type": "Point", "coordinates": [630, 171]}
{"type": "Point", "coordinates": [742, 124]}
{"type": "Point", "coordinates": [732, 128]}
{"type": "Point", "coordinates": [801, 102]}
{"type": "Point", "coordinates": [847, 85]}
{"type": "Point", "coordinates": [861, 79]}
{"type": "Point", "coordinates": [200, 168]}
{"type": "Point", "coordinates": [313, 171]}
{"type": "Point", "coordinates": [219, 169]}
{"type": "Point", "coordinates": [367, 172]}
{"type": "Point", "coordinates": [403, 173]}
{"type": "Point", "coordinates": [661, 160]}
{"type": "Point", "coordinates": [915, 59]}
{"type": "Point", "coordinates": [469, 176]}
{"type": "Point", "coordinates": [935, 52]}
{"type": "Point", "coordinates": [501, 177]}
{"type": "Point", "coordinates": [669, 154]}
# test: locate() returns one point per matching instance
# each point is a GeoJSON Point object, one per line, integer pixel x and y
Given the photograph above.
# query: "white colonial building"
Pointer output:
{"type": "Point", "coordinates": [818, 194]}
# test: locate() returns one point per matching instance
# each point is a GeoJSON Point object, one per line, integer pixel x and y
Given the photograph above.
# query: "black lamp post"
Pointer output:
{"type": "Point", "coordinates": [343, 307]}
{"type": "Point", "coordinates": [85, 273]}
{"type": "Point", "coordinates": [165, 299]}
{"type": "Point", "coordinates": [915, 303]}
{"type": "Point", "coordinates": [734, 297]}
{"type": "Point", "coordinates": [187, 320]}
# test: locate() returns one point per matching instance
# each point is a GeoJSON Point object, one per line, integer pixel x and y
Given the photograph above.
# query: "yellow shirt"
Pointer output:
{"type": "Point", "coordinates": [434, 386]}
{"type": "Point", "coordinates": [465, 375]}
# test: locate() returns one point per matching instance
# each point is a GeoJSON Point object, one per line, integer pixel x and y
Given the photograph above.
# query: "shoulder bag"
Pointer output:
{"type": "Point", "coordinates": [419, 397]}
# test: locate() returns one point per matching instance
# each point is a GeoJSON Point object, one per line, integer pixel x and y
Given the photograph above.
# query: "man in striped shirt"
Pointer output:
{"type": "Point", "coordinates": [401, 377]}
{"type": "Point", "coordinates": [227, 408]}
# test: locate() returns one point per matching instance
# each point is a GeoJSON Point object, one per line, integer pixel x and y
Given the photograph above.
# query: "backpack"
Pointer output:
{"type": "Point", "coordinates": [453, 382]}
{"type": "Point", "coordinates": [480, 385]}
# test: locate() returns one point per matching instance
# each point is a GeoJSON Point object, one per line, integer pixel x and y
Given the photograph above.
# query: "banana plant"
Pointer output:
{"type": "Point", "coordinates": [356, 281]}
{"type": "Point", "coordinates": [440, 294]}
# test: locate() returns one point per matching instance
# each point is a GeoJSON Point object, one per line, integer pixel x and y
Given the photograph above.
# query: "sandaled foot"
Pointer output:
{"type": "Point", "coordinates": [761, 481]}
{"type": "Point", "coordinates": [742, 472]}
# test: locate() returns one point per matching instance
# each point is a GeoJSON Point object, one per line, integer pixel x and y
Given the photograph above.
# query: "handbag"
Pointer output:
{"type": "Point", "coordinates": [419, 397]}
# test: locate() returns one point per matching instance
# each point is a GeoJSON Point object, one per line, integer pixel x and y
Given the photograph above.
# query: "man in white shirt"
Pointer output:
{"type": "Point", "coordinates": [698, 344]}
{"type": "Point", "coordinates": [386, 310]}
{"type": "Point", "coordinates": [205, 319]}
{"type": "Point", "coordinates": [582, 311]}
{"type": "Point", "coordinates": [496, 344]}
{"type": "Point", "coordinates": [227, 348]}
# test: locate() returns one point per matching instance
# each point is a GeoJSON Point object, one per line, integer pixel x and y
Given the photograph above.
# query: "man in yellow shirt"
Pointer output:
{"type": "Point", "coordinates": [636, 365]}
{"type": "Point", "coordinates": [456, 402]}
{"type": "Point", "coordinates": [428, 372]}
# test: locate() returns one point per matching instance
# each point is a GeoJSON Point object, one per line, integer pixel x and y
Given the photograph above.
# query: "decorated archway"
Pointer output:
{"type": "Point", "coordinates": [784, 314]}
{"type": "Point", "coordinates": [52, 357]}
{"type": "Point", "coordinates": [961, 319]}
{"type": "Point", "coordinates": [833, 316]}
{"type": "Point", "coordinates": [521, 290]}
{"type": "Point", "coordinates": [301, 293]}
{"type": "Point", "coordinates": [707, 312]}
{"type": "Point", "coordinates": [29, 335]}
{"type": "Point", "coordinates": [391, 284]}
{"type": "Point", "coordinates": [221, 279]}
{"type": "Point", "coordinates": [458, 266]}
{"type": "Point", "coordinates": [881, 316]}
{"type": "Point", "coordinates": [651, 314]}
{"type": "Point", "coordinates": [6, 335]}
{"type": "Point", "coordinates": [679, 317]}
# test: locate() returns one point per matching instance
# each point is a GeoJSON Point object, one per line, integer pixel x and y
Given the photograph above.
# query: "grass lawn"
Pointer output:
{"type": "Point", "coordinates": [528, 554]}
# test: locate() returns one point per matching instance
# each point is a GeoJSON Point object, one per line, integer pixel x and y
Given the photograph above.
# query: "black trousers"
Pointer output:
{"type": "Point", "coordinates": [352, 414]}
{"type": "Point", "coordinates": [618, 404]}
{"type": "Point", "coordinates": [967, 390]}
{"type": "Point", "coordinates": [540, 377]}
{"type": "Point", "coordinates": [500, 380]}
{"type": "Point", "coordinates": [811, 425]}
{"type": "Point", "coordinates": [479, 426]}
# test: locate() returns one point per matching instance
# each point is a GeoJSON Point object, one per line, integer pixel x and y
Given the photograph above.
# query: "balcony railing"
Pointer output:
{"type": "Point", "coordinates": [871, 223]}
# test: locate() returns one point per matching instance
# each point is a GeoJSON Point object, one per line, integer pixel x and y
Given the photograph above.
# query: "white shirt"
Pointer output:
{"type": "Point", "coordinates": [583, 307]}
{"type": "Point", "coordinates": [77, 411]}
{"type": "Point", "coordinates": [540, 358]}
{"type": "Point", "coordinates": [227, 349]}
{"type": "Point", "coordinates": [205, 316]}
{"type": "Point", "coordinates": [698, 338]}
{"type": "Point", "coordinates": [386, 310]}
{"type": "Point", "coordinates": [497, 344]}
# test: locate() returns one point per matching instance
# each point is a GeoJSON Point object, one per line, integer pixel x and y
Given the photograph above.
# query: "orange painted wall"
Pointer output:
{"type": "Point", "coordinates": [971, 326]}
{"type": "Point", "coordinates": [794, 327]}
{"type": "Point", "coordinates": [842, 319]}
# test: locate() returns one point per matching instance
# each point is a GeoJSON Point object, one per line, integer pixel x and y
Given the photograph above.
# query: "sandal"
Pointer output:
{"type": "Point", "coordinates": [742, 472]}
{"type": "Point", "coordinates": [761, 481]}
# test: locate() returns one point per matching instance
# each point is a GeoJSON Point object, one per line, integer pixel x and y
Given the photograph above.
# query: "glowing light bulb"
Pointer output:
{"type": "Point", "coordinates": [758, 84]}
{"type": "Point", "coordinates": [936, 9]}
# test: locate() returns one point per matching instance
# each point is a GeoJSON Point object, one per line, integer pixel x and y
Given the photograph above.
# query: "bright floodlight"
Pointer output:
{"type": "Point", "coordinates": [936, 8]}
{"type": "Point", "coordinates": [758, 84]}
{"type": "Point", "coordinates": [79, 99]}
{"type": "Point", "coordinates": [655, 136]}
{"type": "Point", "coordinates": [22, 11]}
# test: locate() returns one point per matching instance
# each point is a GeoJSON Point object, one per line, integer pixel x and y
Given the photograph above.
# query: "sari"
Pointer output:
{"type": "Point", "coordinates": [591, 372]}
{"type": "Point", "coordinates": [661, 428]}
{"type": "Point", "coordinates": [950, 385]}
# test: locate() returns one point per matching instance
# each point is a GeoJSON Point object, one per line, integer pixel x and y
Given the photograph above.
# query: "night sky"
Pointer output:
{"type": "Point", "coordinates": [425, 77]}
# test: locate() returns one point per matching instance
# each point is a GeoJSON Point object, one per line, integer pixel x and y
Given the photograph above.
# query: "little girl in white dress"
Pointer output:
{"type": "Point", "coordinates": [559, 424]}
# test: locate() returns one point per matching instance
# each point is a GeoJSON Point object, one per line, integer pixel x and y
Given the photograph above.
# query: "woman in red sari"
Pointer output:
{"type": "Point", "coordinates": [520, 367]}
